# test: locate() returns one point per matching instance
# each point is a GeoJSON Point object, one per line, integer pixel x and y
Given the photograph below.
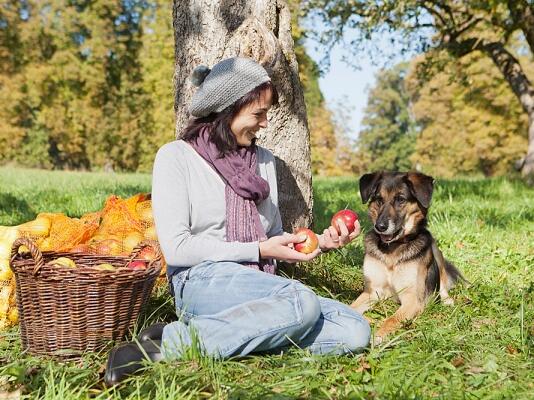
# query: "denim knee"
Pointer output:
{"type": "Point", "coordinates": [357, 332]}
{"type": "Point", "coordinates": [310, 309]}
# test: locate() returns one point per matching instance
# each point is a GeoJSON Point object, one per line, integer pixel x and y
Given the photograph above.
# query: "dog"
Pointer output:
{"type": "Point", "coordinates": [402, 260]}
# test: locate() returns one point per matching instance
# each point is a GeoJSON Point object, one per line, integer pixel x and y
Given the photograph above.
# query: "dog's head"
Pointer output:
{"type": "Point", "coordinates": [398, 202]}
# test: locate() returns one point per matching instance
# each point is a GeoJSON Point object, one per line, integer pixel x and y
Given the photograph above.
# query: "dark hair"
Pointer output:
{"type": "Point", "coordinates": [219, 123]}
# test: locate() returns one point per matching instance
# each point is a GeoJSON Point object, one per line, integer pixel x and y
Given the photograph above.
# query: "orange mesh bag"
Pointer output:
{"type": "Point", "coordinates": [125, 223]}
{"type": "Point", "coordinates": [38, 229]}
{"type": "Point", "coordinates": [8, 310]}
{"type": "Point", "coordinates": [9, 315]}
{"type": "Point", "coordinates": [144, 213]}
{"type": "Point", "coordinates": [120, 223]}
{"type": "Point", "coordinates": [66, 233]}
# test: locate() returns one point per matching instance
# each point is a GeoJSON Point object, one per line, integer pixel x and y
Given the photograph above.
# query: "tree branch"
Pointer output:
{"type": "Point", "coordinates": [513, 73]}
{"type": "Point", "coordinates": [436, 14]}
{"type": "Point", "coordinates": [522, 14]}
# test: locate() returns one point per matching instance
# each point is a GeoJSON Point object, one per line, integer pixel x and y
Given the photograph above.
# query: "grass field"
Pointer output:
{"type": "Point", "coordinates": [481, 348]}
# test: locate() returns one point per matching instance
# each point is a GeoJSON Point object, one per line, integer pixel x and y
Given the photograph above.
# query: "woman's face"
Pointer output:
{"type": "Point", "coordinates": [248, 121]}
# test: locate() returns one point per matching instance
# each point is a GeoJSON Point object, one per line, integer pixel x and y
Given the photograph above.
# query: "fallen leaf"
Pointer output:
{"type": "Point", "coordinates": [364, 365]}
{"type": "Point", "coordinates": [458, 361]}
{"type": "Point", "coordinates": [474, 370]}
{"type": "Point", "coordinates": [511, 349]}
{"type": "Point", "coordinates": [483, 322]}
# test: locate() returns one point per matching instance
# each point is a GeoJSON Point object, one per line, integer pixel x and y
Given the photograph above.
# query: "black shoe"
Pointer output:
{"type": "Point", "coordinates": [153, 332]}
{"type": "Point", "coordinates": [127, 359]}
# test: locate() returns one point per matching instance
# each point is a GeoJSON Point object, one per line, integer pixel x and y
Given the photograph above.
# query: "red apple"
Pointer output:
{"type": "Point", "coordinates": [311, 242]}
{"type": "Point", "coordinates": [147, 253]}
{"type": "Point", "coordinates": [349, 217]}
{"type": "Point", "coordinates": [137, 264]}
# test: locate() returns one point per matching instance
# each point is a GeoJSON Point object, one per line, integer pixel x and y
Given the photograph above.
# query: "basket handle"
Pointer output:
{"type": "Point", "coordinates": [147, 243]}
{"type": "Point", "coordinates": [34, 251]}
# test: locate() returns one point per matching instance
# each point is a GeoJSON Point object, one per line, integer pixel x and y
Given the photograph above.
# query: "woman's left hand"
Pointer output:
{"type": "Point", "coordinates": [330, 239]}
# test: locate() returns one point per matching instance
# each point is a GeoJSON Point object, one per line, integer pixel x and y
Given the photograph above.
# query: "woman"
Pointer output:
{"type": "Point", "coordinates": [215, 205]}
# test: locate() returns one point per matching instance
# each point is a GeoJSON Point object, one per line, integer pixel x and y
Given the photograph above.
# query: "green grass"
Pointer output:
{"type": "Point", "coordinates": [480, 348]}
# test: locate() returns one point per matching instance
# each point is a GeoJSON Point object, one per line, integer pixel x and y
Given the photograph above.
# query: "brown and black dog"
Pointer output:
{"type": "Point", "coordinates": [402, 260]}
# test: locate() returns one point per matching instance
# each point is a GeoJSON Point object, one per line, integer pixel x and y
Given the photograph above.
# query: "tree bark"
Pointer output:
{"type": "Point", "coordinates": [517, 79]}
{"type": "Point", "coordinates": [522, 14]}
{"type": "Point", "coordinates": [528, 166]}
{"type": "Point", "coordinates": [521, 86]}
{"type": "Point", "coordinates": [206, 32]}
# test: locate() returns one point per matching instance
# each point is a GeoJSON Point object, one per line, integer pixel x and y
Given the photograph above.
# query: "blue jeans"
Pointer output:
{"type": "Point", "coordinates": [235, 310]}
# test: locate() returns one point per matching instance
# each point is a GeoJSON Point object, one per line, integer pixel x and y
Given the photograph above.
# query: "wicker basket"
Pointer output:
{"type": "Point", "coordinates": [67, 311]}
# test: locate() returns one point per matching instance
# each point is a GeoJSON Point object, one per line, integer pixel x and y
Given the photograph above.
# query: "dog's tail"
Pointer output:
{"type": "Point", "coordinates": [446, 269]}
{"type": "Point", "coordinates": [454, 273]}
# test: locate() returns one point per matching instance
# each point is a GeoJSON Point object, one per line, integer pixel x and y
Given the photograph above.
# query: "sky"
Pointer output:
{"type": "Point", "coordinates": [344, 84]}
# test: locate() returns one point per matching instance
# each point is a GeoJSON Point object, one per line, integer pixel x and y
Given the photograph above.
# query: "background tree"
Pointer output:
{"type": "Point", "coordinates": [71, 85]}
{"type": "Point", "coordinates": [459, 27]}
{"type": "Point", "coordinates": [324, 135]}
{"type": "Point", "coordinates": [387, 138]}
{"type": "Point", "coordinates": [89, 85]}
{"type": "Point", "coordinates": [469, 120]}
{"type": "Point", "coordinates": [205, 33]}
{"type": "Point", "coordinates": [157, 63]}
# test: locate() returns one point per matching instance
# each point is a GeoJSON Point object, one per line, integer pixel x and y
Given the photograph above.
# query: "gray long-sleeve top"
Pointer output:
{"type": "Point", "coordinates": [189, 208]}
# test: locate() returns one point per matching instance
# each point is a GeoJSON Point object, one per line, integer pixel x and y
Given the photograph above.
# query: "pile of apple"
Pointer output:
{"type": "Point", "coordinates": [141, 262]}
{"type": "Point", "coordinates": [348, 217]}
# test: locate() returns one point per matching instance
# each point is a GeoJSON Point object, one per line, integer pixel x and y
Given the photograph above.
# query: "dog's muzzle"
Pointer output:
{"type": "Point", "coordinates": [386, 230]}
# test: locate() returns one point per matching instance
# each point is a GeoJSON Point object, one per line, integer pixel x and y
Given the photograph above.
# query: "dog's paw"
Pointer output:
{"type": "Point", "coordinates": [448, 301]}
{"type": "Point", "coordinates": [377, 340]}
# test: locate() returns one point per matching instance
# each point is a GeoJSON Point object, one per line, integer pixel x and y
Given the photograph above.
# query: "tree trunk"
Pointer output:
{"type": "Point", "coordinates": [206, 32]}
{"type": "Point", "coordinates": [528, 165]}
{"type": "Point", "coordinates": [522, 14]}
{"type": "Point", "coordinates": [521, 86]}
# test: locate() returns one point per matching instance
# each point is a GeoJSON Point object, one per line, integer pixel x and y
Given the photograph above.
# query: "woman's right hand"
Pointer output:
{"type": "Point", "coordinates": [281, 248]}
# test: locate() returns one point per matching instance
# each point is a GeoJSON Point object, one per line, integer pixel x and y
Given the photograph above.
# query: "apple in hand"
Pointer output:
{"type": "Point", "coordinates": [349, 217]}
{"type": "Point", "coordinates": [311, 242]}
{"type": "Point", "coordinates": [137, 264]}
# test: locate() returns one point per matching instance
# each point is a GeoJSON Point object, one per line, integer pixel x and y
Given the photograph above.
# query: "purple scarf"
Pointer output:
{"type": "Point", "coordinates": [244, 190]}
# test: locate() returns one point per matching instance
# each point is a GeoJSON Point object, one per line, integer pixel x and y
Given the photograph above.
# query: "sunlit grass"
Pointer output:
{"type": "Point", "coordinates": [480, 348]}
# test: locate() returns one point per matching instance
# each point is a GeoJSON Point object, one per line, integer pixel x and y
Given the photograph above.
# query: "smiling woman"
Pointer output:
{"type": "Point", "coordinates": [236, 125]}
{"type": "Point", "coordinates": [215, 205]}
{"type": "Point", "coordinates": [251, 118]}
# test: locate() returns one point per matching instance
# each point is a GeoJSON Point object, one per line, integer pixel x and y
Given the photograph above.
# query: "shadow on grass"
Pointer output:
{"type": "Point", "coordinates": [489, 189]}
{"type": "Point", "coordinates": [14, 209]}
{"type": "Point", "coordinates": [495, 218]}
{"type": "Point", "coordinates": [337, 274]}
{"type": "Point", "coordinates": [159, 308]}
{"type": "Point", "coordinates": [489, 216]}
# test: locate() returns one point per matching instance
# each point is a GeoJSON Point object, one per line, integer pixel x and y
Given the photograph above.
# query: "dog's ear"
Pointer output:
{"type": "Point", "coordinates": [421, 186]}
{"type": "Point", "coordinates": [368, 184]}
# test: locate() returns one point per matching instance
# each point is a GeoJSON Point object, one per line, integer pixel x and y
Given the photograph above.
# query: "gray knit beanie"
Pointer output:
{"type": "Point", "coordinates": [224, 84]}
